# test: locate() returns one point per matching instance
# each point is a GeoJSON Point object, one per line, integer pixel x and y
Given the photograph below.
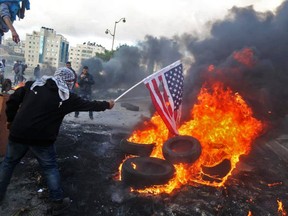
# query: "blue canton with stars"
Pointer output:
{"type": "Point", "coordinates": [175, 81]}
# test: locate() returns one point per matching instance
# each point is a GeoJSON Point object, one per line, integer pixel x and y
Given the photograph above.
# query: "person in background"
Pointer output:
{"type": "Point", "coordinates": [6, 86]}
{"type": "Point", "coordinates": [85, 82]}
{"type": "Point", "coordinates": [19, 70]}
{"type": "Point", "coordinates": [35, 113]}
{"type": "Point", "coordinates": [8, 12]}
{"type": "Point", "coordinates": [16, 71]}
{"type": "Point", "coordinates": [22, 67]}
{"type": "Point", "coordinates": [37, 74]}
{"type": "Point", "coordinates": [2, 71]}
{"type": "Point", "coordinates": [69, 65]}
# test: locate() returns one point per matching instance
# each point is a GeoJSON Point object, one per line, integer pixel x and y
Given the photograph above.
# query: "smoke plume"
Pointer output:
{"type": "Point", "coordinates": [261, 37]}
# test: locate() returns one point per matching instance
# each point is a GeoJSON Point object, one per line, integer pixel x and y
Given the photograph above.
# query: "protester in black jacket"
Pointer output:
{"type": "Point", "coordinates": [85, 82]}
{"type": "Point", "coordinates": [34, 115]}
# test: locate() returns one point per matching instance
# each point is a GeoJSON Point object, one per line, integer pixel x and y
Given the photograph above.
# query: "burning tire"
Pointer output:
{"type": "Point", "coordinates": [218, 171]}
{"type": "Point", "coordinates": [136, 148]}
{"type": "Point", "coordinates": [146, 171]}
{"type": "Point", "coordinates": [181, 149]}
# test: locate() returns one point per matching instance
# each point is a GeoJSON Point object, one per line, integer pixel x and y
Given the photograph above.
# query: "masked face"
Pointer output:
{"type": "Point", "coordinates": [67, 76]}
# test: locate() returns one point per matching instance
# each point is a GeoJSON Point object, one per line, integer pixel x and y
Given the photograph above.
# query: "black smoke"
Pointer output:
{"type": "Point", "coordinates": [263, 86]}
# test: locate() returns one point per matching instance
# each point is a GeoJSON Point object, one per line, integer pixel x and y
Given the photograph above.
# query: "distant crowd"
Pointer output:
{"type": "Point", "coordinates": [18, 70]}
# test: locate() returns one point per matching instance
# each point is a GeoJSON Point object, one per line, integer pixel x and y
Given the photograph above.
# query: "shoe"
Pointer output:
{"type": "Point", "coordinates": [91, 117]}
{"type": "Point", "coordinates": [76, 116]}
{"type": "Point", "coordinates": [60, 206]}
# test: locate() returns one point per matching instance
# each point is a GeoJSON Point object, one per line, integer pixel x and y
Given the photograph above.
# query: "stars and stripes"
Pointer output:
{"type": "Point", "coordinates": [166, 90]}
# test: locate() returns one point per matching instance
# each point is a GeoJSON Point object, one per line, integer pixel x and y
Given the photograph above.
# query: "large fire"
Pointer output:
{"type": "Point", "coordinates": [222, 122]}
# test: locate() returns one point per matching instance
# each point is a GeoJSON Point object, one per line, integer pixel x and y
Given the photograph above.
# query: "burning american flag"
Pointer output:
{"type": "Point", "coordinates": [166, 90]}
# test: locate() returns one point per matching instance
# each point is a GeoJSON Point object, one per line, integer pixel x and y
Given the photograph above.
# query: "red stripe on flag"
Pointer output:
{"type": "Point", "coordinates": [160, 105]}
{"type": "Point", "coordinates": [167, 101]}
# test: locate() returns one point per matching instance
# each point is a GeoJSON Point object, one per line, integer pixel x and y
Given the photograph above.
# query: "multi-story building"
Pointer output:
{"type": "Point", "coordinates": [46, 48]}
{"type": "Point", "coordinates": [83, 51]}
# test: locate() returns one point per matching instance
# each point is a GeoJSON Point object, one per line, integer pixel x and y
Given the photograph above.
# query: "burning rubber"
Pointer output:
{"type": "Point", "coordinates": [181, 149]}
{"type": "Point", "coordinates": [141, 172]}
{"type": "Point", "coordinates": [215, 173]}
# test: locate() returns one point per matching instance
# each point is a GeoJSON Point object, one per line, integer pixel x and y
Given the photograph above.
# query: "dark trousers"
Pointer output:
{"type": "Point", "coordinates": [86, 97]}
{"type": "Point", "coordinates": [46, 157]}
{"type": "Point", "coordinates": [90, 114]}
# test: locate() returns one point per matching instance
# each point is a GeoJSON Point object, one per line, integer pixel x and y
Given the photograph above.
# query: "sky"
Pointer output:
{"type": "Point", "coordinates": [87, 20]}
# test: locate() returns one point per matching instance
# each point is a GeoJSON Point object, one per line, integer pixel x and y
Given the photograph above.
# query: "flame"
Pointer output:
{"type": "Point", "coordinates": [20, 84]}
{"type": "Point", "coordinates": [281, 209]}
{"type": "Point", "coordinates": [249, 213]}
{"type": "Point", "coordinates": [224, 125]}
{"type": "Point", "coordinates": [134, 165]}
{"type": "Point", "coordinates": [275, 184]}
{"type": "Point", "coordinates": [245, 57]}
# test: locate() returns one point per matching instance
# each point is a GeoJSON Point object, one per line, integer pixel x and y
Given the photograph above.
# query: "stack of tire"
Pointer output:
{"type": "Point", "coordinates": [144, 171]}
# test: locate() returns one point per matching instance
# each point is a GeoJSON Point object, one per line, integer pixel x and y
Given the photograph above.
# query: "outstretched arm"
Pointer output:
{"type": "Point", "coordinates": [15, 35]}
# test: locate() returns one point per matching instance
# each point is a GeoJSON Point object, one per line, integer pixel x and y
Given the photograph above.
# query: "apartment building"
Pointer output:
{"type": "Point", "coordinates": [46, 48]}
{"type": "Point", "coordinates": [83, 51]}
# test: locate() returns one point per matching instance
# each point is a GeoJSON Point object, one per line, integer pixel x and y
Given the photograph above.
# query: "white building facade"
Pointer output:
{"type": "Point", "coordinates": [83, 51]}
{"type": "Point", "coordinates": [46, 48]}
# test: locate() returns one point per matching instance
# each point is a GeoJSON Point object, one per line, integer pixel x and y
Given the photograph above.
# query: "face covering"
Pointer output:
{"type": "Point", "coordinates": [64, 79]}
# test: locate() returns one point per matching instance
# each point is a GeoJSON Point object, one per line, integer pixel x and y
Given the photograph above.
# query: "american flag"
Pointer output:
{"type": "Point", "coordinates": [166, 90]}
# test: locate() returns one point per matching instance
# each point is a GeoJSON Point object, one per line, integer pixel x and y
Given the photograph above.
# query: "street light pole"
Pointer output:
{"type": "Point", "coordinates": [114, 31]}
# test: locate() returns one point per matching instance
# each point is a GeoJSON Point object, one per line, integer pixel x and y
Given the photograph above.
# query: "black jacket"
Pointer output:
{"type": "Point", "coordinates": [37, 115]}
{"type": "Point", "coordinates": [85, 84]}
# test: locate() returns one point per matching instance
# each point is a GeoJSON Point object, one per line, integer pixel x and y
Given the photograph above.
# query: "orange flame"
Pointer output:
{"type": "Point", "coordinates": [20, 84]}
{"type": "Point", "coordinates": [249, 213]}
{"type": "Point", "coordinates": [275, 184]}
{"type": "Point", "coordinates": [281, 209]}
{"type": "Point", "coordinates": [245, 57]}
{"type": "Point", "coordinates": [134, 165]}
{"type": "Point", "coordinates": [224, 125]}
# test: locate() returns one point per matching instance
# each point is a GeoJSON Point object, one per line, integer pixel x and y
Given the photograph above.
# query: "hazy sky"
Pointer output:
{"type": "Point", "coordinates": [86, 20]}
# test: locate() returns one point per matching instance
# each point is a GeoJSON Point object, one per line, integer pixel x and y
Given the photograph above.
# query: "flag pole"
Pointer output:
{"type": "Point", "coordinates": [151, 75]}
{"type": "Point", "coordinates": [133, 87]}
{"type": "Point", "coordinates": [129, 90]}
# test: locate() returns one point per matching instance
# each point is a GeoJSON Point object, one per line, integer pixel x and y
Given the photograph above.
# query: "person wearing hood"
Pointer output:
{"type": "Point", "coordinates": [34, 116]}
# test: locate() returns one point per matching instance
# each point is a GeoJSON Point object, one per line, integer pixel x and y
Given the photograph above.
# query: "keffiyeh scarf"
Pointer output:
{"type": "Point", "coordinates": [64, 79]}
